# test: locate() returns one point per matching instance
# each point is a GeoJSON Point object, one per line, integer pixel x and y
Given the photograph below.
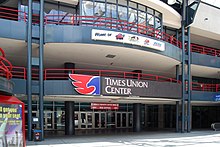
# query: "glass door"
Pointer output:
{"type": "Point", "coordinates": [118, 120]}
{"type": "Point", "coordinates": [103, 120]}
{"type": "Point", "coordinates": [100, 119]}
{"type": "Point", "coordinates": [48, 120]}
{"type": "Point", "coordinates": [59, 120]}
{"type": "Point", "coordinates": [110, 119]}
{"type": "Point", "coordinates": [86, 119]}
{"type": "Point", "coordinates": [123, 119]}
{"type": "Point", "coordinates": [130, 119]}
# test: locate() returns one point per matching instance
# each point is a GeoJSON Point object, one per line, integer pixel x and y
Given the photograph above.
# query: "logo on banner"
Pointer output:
{"type": "Point", "coordinates": [217, 97]}
{"type": "Point", "coordinates": [85, 84]}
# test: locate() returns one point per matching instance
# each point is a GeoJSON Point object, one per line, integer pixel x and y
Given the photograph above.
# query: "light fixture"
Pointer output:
{"type": "Point", "coordinates": [206, 19]}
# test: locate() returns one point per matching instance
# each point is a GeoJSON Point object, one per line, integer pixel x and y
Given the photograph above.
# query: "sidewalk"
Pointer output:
{"type": "Point", "coordinates": [147, 139]}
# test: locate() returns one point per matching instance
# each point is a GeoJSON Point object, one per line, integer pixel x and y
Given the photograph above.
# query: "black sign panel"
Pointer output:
{"type": "Point", "coordinates": [133, 87]}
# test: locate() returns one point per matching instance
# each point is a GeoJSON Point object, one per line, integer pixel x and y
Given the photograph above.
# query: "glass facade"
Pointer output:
{"type": "Point", "coordinates": [135, 15]}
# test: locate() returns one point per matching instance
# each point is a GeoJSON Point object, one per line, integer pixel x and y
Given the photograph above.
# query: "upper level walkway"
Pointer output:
{"type": "Point", "coordinates": [104, 22]}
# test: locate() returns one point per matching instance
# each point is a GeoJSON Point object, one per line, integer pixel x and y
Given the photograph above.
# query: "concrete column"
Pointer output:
{"type": "Point", "coordinates": [177, 116]}
{"type": "Point", "coordinates": [137, 117]}
{"type": "Point", "coordinates": [160, 117]}
{"type": "Point", "coordinates": [69, 118]}
{"type": "Point", "coordinates": [146, 115]}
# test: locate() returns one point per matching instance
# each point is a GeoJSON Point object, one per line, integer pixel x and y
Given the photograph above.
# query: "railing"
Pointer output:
{"type": "Point", "coordinates": [111, 23]}
{"type": "Point", "coordinates": [63, 74]}
{"type": "Point", "coordinates": [5, 66]}
{"type": "Point", "coordinates": [205, 50]}
{"type": "Point", "coordinates": [12, 14]}
{"type": "Point", "coordinates": [19, 72]}
{"type": "Point", "coordinates": [205, 87]}
{"type": "Point", "coordinates": [103, 22]}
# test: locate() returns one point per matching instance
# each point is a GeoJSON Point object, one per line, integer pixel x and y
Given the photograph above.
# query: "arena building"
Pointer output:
{"type": "Point", "coordinates": [99, 65]}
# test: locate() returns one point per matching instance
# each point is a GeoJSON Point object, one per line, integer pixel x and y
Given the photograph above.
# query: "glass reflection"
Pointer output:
{"type": "Point", "coordinates": [99, 9]}
{"type": "Point", "coordinates": [87, 8]}
{"type": "Point", "coordinates": [128, 16]}
{"type": "Point", "coordinates": [111, 11]}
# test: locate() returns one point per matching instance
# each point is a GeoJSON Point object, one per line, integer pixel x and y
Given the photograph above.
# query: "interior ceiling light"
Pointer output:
{"type": "Point", "coordinates": [110, 56]}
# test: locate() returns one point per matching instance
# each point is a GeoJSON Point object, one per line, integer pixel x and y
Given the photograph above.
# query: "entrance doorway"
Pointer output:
{"type": "Point", "coordinates": [100, 120]}
{"type": "Point", "coordinates": [124, 119]}
{"type": "Point", "coordinates": [85, 120]}
{"type": "Point", "coordinates": [48, 120]}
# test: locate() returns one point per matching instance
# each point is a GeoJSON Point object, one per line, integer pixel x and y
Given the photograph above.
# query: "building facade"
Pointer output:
{"type": "Point", "coordinates": [113, 64]}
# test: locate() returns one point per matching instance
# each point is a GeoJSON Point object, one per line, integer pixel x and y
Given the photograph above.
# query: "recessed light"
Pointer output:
{"type": "Point", "coordinates": [110, 56]}
{"type": "Point", "coordinates": [206, 19]}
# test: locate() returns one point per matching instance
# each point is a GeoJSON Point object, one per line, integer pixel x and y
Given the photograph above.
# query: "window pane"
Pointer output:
{"type": "Point", "coordinates": [122, 2]}
{"type": "Point", "coordinates": [150, 20]}
{"type": "Point", "coordinates": [133, 5]}
{"type": "Point", "coordinates": [141, 22]}
{"type": "Point", "coordinates": [157, 14]}
{"type": "Point", "coordinates": [132, 19]}
{"type": "Point", "coordinates": [141, 7]}
{"type": "Point", "coordinates": [157, 23]}
{"type": "Point", "coordinates": [111, 11]}
{"type": "Point", "coordinates": [111, 1]}
{"type": "Point", "coordinates": [149, 10]}
{"type": "Point", "coordinates": [99, 9]}
{"type": "Point", "coordinates": [122, 13]}
{"type": "Point", "coordinates": [87, 8]}
{"type": "Point", "coordinates": [132, 16]}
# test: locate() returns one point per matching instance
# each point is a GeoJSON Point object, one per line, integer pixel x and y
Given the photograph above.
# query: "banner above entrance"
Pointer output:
{"type": "Point", "coordinates": [110, 86]}
{"type": "Point", "coordinates": [127, 38]}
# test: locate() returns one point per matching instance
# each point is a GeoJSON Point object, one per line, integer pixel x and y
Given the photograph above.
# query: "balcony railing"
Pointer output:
{"type": "Point", "coordinates": [63, 74]}
{"type": "Point", "coordinates": [5, 66]}
{"type": "Point", "coordinates": [111, 23]}
{"type": "Point", "coordinates": [205, 50]}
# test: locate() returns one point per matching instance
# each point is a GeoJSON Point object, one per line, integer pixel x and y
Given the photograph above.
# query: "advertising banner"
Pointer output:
{"type": "Point", "coordinates": [128, 39]}
{"type": "Point", "coordinates": [11, 134]}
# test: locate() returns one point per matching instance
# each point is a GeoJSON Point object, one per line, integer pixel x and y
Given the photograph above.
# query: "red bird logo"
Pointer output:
{"type": "Point", "coordinates": [81, 83]}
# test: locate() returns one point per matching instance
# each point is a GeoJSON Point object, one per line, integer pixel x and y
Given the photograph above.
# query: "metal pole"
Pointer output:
{"type": "Point", "coordinates": [177, 116]}
{"type": "Point", "coordinates": [189, 83]}
{"type": "Point", "coordinates": [19, 10]}
{"type": "Point", "coordinates": [177, 37]}
{"type": "Point", "coordinates": [29, 64]}
{"type": "Point", "coordinates": [177, 72]}
{"type": "Point", "coordinates": [41, 80]}
{"type": "Point", "coordinates": [183, 64]}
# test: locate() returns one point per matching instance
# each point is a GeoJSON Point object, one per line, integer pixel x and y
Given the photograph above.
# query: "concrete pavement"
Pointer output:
{"type": "Point", "coordinates": [147, 139]}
